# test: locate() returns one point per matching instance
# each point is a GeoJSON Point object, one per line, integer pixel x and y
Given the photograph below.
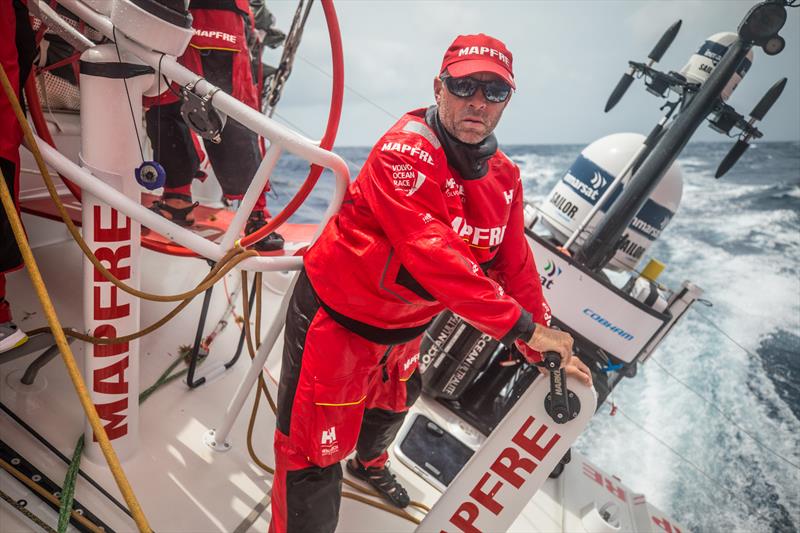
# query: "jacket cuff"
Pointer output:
{"type": "Point", "coordinates": [523, 328]}
{"type": "Point", "coordinates": [530, 355]}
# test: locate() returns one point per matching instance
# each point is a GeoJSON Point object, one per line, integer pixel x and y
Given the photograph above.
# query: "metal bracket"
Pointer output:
{"type": "Point", "coordinates": [210, 440]}
{"type": "Point", "coordinates": [200, 115]}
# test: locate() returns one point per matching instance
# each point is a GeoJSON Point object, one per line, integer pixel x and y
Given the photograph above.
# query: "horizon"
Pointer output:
{"type": "Point", "coordinates": [730, 142]}
{"type": "Point", "coordinates": [568, 56]}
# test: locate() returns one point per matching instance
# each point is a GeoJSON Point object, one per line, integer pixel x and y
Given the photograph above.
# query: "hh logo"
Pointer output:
{"type": "Point", "coordinates": [329, 435]}
{"type": "Point", "coordinates": [509, 195]}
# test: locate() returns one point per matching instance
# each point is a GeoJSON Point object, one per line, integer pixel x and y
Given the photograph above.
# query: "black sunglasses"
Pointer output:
{"type": "Point", "coordinates": [495, 91]}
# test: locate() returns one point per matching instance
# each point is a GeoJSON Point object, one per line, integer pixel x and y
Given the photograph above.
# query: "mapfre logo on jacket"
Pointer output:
{"type": "Point", "coordinates": [479, 237]}
{"type": "Point", "coordinates": [403, 148]}
{"type": "Point", "coordinates": [220, 26]}
{"type": "Point", "coordinates": [216, 35]}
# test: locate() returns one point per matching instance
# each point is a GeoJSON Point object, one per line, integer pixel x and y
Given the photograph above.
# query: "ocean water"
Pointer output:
{"type": "Point", "coordinates": [709, 430]}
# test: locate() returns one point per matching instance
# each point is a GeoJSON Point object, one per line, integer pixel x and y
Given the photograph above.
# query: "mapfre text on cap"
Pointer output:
{"type": "Point", "coordinates": [483, 50]}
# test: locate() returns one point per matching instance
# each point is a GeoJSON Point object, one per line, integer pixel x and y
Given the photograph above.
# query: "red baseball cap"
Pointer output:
{"type": "Point", "coordinates": [478, 53]}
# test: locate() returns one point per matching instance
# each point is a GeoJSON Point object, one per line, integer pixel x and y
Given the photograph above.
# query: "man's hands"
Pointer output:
{"type": "Point", "coordinates": [575, 369]}
{"type": "Point", "coordinates": [546, 339]}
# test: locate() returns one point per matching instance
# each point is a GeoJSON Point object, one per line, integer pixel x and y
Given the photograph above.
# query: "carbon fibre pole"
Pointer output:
{"type": "Point", "coordinates": [602, 244]}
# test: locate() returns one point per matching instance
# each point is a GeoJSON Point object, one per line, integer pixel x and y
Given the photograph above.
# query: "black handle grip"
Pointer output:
{"type": "Point", "coordinates": [732, 157]}
{"type": "Point", "coordinates": [769, 98]}
{"type": "Point", "coordinates": [551, 360]}
{"type": "Point", "coordinates": [663, 43]}
{"type": "Point", "coordinates": [557, 402]}
{"type": "Point", "coordinates": [619, 91]}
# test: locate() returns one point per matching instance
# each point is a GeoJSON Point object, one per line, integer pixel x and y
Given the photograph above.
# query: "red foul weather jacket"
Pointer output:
{"type": "Point", "coordinates": [413, 237]}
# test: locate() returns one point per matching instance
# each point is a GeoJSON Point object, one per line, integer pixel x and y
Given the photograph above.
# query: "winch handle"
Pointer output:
{"type": "Point", "coordinates": [557, 402]}
{"type": "Point", "coordinates": [551, 360]}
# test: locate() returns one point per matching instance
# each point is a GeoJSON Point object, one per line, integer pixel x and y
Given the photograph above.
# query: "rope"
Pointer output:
{"type": "Point", "coordinates": [151, 328]}
{"type": "Point", "coordinates": [58, 334]}
{"type": "Point", "coordinates": [29, 515]}
{"type": "Point", "coordinates": [393, 510]}
{"type": "Point", "coordinates": [281, 75]}
{"type": "Point", "coordinates": [46, 495]}
{"type": "Point", "coordinates": [725, 415]}
{"type": "Point", "coordinates": [117, 340]}
{"type": "Point", "coordinates": [63, 457]}
{"type": "Point", "coordinates": [250, 346]}
{"type": "Point", "coordinates": [257, 282]}
{"type": "Point", "coordinates": [734, 341]}
{"type": "Point", "coordinates": [728, 417]}
{"type": "Point", "coordinates": [165, 378]}
{"type": "Point", "coordinates": [352, 90]}
{"type": "Point", "coordinates": [68, 488]}
{"type": "Point", "coordinates": [130, 104]}
{"type": "Point", "coordinates": [702, 472]}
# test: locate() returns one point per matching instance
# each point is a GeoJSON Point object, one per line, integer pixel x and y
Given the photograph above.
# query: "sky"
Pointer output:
{"type": "Point", "coordinates": [568, 56]}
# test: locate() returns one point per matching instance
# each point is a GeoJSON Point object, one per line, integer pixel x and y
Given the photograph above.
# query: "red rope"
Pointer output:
{"type": "Point", "coordinates": [66, 61]}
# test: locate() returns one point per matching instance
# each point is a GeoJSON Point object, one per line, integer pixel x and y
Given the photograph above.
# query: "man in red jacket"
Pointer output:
{"type": "Point", "coordinates": [17, 50]}
{"type": "Point", "coordinates": [433, 221]}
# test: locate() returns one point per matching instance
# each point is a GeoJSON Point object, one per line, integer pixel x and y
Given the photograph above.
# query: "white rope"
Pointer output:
{"type": "Point", "coordinates": [717, 484]}
{"type": "Point", "coordinates": [724, 414]}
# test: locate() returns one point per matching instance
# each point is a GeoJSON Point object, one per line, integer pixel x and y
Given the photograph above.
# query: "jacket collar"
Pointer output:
{"type": "Point", "coordinates": [471, 161]}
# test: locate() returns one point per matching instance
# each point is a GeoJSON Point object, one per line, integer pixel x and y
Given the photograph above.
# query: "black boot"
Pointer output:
{"type": "Point", "coordinates": [271, 242]}
{"type": "Point", "coordinates": [381, 480]}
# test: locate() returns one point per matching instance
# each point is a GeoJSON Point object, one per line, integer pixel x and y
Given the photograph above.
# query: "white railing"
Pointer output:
{"type": "Point", "coordinates": [281, 139]}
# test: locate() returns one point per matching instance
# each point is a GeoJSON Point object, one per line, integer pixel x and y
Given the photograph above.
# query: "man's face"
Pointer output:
{"type": "Point", "coordinates": [470, 119]}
